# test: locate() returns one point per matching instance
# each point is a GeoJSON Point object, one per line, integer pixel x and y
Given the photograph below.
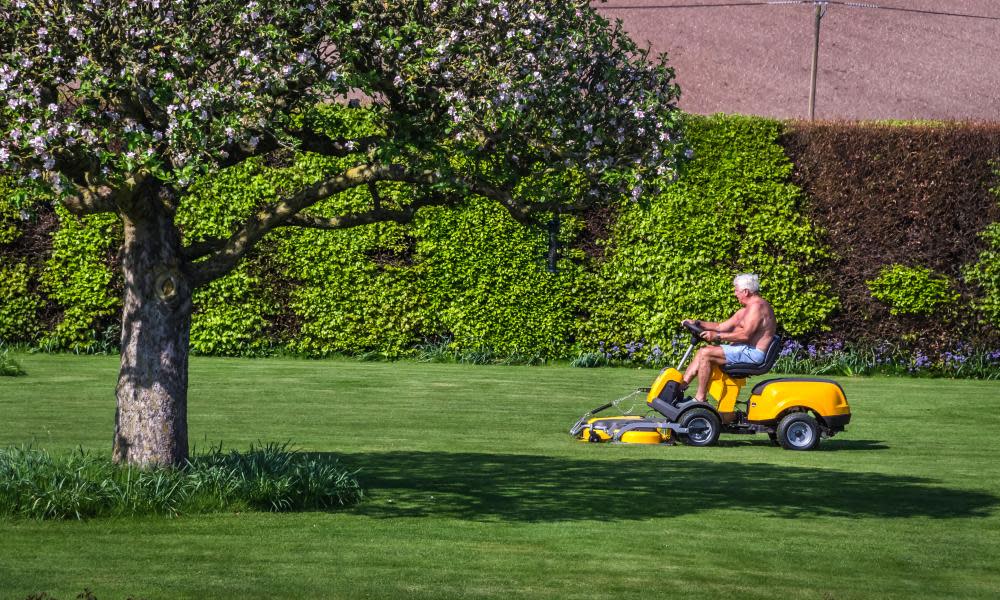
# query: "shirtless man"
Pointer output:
{"type": "Point", "coordinates": [750, 332]}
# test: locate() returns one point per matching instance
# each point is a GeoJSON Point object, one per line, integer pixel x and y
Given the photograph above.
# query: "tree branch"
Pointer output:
{"type": "Point", "coordinates": [202, 249]}
{"type": "Point", "coordinates": [224, 254]}
{"type": "Point", "coordinates": [92, 198]}
{"type": "Point", "coordinates": [321, 144]}
{"type": "Point", "coordinates": [519, 211]}
{"type": "Point", "coordinates": [377, 215]}
{"type": "Point", "coordinates": [228, 254]}
{"type": "Point", "coordinates": [89, 201]}
{"type": "Point", "coordinates": [309, 141]}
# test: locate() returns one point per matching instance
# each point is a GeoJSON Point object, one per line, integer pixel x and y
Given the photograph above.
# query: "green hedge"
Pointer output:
{"type": "Point", "coordinates": [470, 278]}
{"type": "Point", "coordinates": [985, 273]}
{"type": "Point", "coordinates": [232, 315]}
{"type": "Point", "coordinates": [913, 290]}
{"type": "Point", "coordinates": [78, 279]}
{"type": "Point", "coordinates": [18, 305]}
{"type": "Point", "coordinates": [731, 211]}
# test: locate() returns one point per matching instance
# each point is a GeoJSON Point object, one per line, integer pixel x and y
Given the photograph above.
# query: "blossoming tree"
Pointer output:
{"type": "Point", "coordinates": [119, 105]}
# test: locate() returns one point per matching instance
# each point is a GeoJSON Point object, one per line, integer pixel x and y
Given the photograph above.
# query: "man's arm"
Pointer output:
{"type": "Point", "coordinates": [713, 331]}
{"type": "Point", "coordinates": [727, 325]}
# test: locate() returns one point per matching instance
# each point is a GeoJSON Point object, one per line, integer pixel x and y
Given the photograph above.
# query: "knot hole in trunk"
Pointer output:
{"type": "Point", "coordinates": [167, 284]}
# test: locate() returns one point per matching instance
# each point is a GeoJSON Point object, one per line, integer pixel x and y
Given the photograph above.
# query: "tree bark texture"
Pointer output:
{"type": "Point", "coordinates": [151, 414]}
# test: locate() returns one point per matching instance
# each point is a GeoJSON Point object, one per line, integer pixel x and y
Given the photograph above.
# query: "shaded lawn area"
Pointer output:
{"type": "Point", "coordinates": [476, 491]}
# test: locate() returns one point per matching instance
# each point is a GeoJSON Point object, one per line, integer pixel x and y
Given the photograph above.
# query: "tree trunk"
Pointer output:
{"type": "Point", "coordinates": [151, 415]}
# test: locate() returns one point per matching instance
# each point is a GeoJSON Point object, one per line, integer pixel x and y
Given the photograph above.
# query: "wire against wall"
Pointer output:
{"type": "Point", "coordinates": [864, 5]}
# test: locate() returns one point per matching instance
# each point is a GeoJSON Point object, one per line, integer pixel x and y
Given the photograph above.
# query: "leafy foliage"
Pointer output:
{"type": "Point", "coordinates": [230, 315]}
{"type": "Point", "coordinates": [912, 290]}
{"type": "Point", "coordinates": [78, 279]}
{"type": "Point", "coordinates": [469, 285]}
{"type": "Point", "coordinates": [19, 305]}
{"type": "Point", "coordinates": [9, 229]}
{"type": "Point", "coordinates": [986, 273]}
{"type": "Point", "coordinates": [732, 210]}
{"type": "Point", "coordinates": [355, 291]}
{"type": "Point", "coordinates": [487, 285]}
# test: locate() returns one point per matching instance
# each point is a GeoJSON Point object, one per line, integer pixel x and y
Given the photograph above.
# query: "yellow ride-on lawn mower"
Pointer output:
{"type": "Point", "coordinates": [794, 412]}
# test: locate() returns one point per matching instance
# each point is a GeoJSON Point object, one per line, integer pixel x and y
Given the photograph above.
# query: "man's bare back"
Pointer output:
{"type": "Point", "coordinates": [757, 320]}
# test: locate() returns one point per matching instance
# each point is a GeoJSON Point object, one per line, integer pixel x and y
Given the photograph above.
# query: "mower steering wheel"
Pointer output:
{"type": "Point", "coordinates": [696, 330]}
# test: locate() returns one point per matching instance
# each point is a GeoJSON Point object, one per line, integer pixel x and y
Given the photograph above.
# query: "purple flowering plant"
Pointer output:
{"type": "Point", "coordinates": [836, 357]}
{"type": "Point", "coordinates": [832, 357]}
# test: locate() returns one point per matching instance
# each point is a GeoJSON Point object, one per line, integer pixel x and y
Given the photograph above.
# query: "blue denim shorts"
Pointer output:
{"type": "Point", "coordinates": [741, 354]}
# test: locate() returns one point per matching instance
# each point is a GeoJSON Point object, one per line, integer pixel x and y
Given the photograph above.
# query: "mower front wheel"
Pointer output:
{"type": "Point", "coordinates": [703, 427]}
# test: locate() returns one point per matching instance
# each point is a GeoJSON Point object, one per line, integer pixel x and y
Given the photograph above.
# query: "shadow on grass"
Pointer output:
{"type": "Point", "coordinates": [841, 445]}
{"type": "Point", "coordinates": [531, 488]}
{"type": "Point", "coordinates": [826, 446]}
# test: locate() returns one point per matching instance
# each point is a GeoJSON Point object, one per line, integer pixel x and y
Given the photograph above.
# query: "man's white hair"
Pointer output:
{"type": "Point", "coordinates": [747, 281]}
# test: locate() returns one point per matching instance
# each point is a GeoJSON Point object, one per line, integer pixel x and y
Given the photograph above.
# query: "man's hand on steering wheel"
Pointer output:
{"type": "Point", "coordinates": [699, 331]}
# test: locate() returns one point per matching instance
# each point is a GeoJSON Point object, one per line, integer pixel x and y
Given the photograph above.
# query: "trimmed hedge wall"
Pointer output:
{"type": "Point", "coordinates": [819, 211]}
{"type": "Point", "coordinates": [914, 196]}
{"type": "Point", "coordinates": [732, 210]}
{"type": "Point", "coordinates": [985, 273]}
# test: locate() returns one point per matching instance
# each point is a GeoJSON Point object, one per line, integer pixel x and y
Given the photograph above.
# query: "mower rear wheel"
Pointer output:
{"type": "Point", "coordinates": [798, 431]}
{"type": "Point", "coordinates": [703, 427]}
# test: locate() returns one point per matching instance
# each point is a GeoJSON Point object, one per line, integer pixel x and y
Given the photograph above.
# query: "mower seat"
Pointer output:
{"type": "Point", "coordinates": [743, 370]}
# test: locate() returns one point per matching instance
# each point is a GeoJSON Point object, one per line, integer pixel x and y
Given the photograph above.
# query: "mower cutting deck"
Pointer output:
{"type": "Point", "coordinates": [795, 412]}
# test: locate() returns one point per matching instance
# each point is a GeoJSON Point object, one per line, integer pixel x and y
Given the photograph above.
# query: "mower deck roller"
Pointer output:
{"type": "Point", "coordinates": [796, 413]}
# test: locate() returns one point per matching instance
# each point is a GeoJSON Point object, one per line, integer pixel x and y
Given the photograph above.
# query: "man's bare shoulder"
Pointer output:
{"type": "Point", "coordinates": [759, 303]}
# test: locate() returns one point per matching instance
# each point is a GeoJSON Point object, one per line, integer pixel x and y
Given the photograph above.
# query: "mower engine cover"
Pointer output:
{"type": "Point", "coordinates": [823, 397]}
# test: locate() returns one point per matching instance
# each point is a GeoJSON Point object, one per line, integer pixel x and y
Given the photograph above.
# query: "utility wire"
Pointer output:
{"type": "Point", "coordinates": [808, 2]}
{"type": "Point", "coordinates": [914, 10]}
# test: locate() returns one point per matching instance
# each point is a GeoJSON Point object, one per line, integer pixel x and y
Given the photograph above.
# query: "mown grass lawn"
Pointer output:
{"type": "Point", "coordinates": [476, 491]}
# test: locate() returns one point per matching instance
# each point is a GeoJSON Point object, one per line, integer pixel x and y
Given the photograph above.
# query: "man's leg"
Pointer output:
{"type": "Point", "coordinates": [702, 365]}
{"type": "Point", "coordinates": [692, 371]}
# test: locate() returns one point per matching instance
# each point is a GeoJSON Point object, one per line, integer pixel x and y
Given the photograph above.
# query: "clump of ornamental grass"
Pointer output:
{"type": "Point", "coordinates": [444, 350]}
{"type": "Point", "coordinates": [8, 366]}
{"type": "Point", "coordinates": [589, 360]}
{"type": "Point", "coordinates": [270, 477]}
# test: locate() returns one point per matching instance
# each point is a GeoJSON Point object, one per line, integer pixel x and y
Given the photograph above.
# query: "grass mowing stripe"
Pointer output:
{"type": "Point", "coordinates": [477, 492]}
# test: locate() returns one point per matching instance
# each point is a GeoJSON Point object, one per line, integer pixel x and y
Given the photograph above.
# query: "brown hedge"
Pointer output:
{"type": "Point", "coordinates": [917, 195]}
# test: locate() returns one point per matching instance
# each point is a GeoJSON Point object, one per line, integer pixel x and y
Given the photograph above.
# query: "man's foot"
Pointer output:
{"type": "Point", "coordinates": [696, 398]}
